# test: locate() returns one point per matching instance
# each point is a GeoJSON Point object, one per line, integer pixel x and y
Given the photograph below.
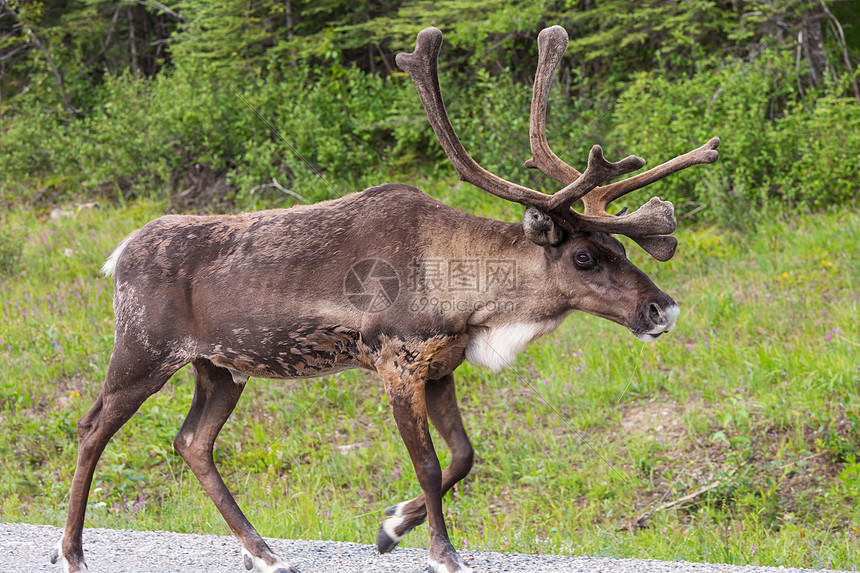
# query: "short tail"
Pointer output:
{"type": "Point", "coordinates": [110, 265]}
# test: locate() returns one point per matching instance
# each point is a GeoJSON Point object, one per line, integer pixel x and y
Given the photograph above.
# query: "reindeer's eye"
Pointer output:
{"type": "Point", "coordinates": [583, 259]}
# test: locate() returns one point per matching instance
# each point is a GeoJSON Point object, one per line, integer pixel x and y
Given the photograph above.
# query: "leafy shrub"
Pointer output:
{"type": "Point", "coordinates": [779, 151]}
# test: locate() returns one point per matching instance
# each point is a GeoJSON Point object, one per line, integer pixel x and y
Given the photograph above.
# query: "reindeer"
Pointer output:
{"type": "Point", "coordinates": [317, 289]}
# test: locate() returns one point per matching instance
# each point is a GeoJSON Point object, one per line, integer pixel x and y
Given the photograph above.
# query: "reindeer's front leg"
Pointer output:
{"type": "Point", "coordinates": [441, 399]}
{"type": "Point", "coordinates": [405, 376]}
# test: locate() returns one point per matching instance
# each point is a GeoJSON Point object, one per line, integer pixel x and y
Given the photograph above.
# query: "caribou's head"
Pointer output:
{"type": "Point", "coordinates": [589, 266]}
{"type": "Point", "coordinates": [592, 270]}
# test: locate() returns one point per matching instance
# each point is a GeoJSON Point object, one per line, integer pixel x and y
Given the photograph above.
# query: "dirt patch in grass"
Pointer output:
{"type": "Point", "coordinates": [661, 416]}
{"type": "Point", "coordinates": [768, 466]}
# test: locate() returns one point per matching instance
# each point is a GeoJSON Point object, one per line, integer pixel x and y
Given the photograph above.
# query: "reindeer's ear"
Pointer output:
{"type": "Point", "coordinates": [540, 229]}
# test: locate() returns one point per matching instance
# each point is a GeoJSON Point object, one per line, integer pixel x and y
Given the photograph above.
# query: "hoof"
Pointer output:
{"type": "Point", "coordinates": [256, 564]}
{"type": "Point", "coordinates": [57, 558]}
{"type": "Point", "coordinates": [388, 536]}
{"type": "Point", "coordinates": [447, 562]}
{"type": "Point", "coordinates": [384, 542]}
{"type": "Point", "coordinates": [435, 567]}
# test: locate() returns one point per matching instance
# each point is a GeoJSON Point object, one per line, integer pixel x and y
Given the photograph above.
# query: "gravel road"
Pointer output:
{"type": "Point", "coordinates": [25, 549]}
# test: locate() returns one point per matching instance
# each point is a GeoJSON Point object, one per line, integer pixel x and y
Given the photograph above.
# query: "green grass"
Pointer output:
{"type": "Point", "coordinates": [758, 387]}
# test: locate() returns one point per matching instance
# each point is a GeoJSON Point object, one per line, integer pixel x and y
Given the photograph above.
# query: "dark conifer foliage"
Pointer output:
{"type": "Point", "coordinates": [143, 97]}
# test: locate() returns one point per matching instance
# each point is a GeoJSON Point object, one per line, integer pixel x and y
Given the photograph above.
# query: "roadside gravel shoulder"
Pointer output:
{"type": "Point", "coordinates": [25, 549]}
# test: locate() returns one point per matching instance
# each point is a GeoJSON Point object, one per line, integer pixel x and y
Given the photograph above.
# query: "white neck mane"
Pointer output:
{"type": "Point", "coordinates": [497, 347]}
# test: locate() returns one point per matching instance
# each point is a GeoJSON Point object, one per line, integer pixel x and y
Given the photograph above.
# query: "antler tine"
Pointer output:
{"type": "Point", "coordinates": [597, 201]}
{"type": "Point", "coordinates": [661, 247]}
{"type": "Point", "coordinates": [422, 66]}
{"type": "Point", "coordinates": [649, 224]}
{"type": "Point", "coordinates": [552, 43]}
{"type": "Point", "coordinates": [598, 171]}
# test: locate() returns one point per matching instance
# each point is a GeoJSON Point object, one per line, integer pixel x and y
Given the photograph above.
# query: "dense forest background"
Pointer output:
{"type": "Point", "coordinates": [140, 98]}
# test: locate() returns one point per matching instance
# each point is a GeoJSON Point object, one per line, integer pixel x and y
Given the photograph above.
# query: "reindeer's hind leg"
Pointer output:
{"type": "Point", "coordinates": [133, 376]}
{"type": "Point", "coordinates": [216, 393]}
{"type": "Point", "coordinates": [443, 412]}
